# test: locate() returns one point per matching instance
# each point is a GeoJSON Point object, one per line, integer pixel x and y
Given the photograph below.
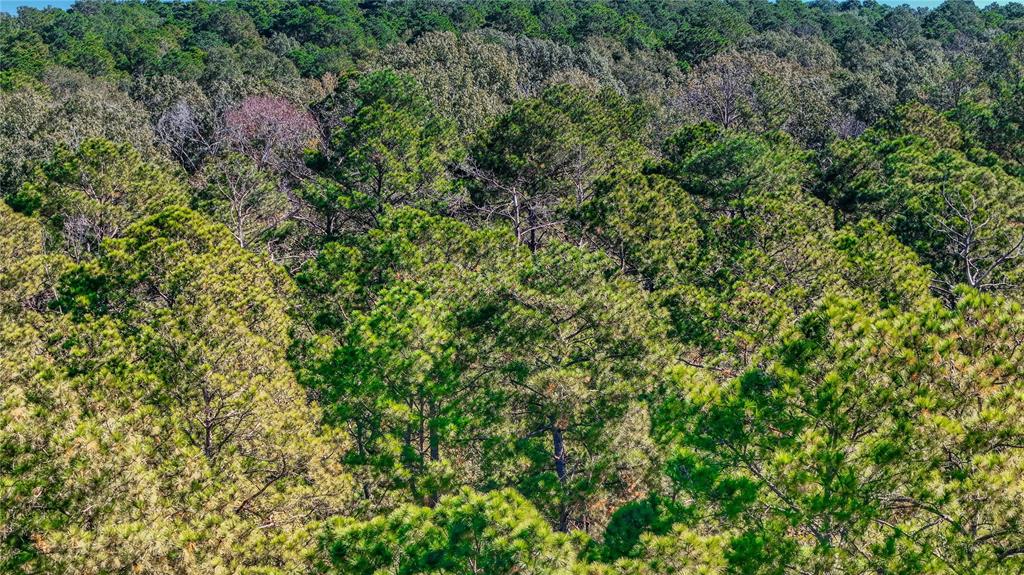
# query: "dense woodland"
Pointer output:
{"type": "Point", "coordinates": [533, 287]}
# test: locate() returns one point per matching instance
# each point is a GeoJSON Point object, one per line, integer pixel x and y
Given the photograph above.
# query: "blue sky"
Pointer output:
{"type": "Point", "coordinates": [11, 6]}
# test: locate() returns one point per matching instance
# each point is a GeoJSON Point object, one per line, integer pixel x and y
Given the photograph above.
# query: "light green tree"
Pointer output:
{"type": "Point", "coordinates": [497, 532]}
{"type": "Point", "coordinates": [152, 421]}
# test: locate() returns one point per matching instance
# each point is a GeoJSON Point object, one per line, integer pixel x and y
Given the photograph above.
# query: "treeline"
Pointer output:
{"type": "Point", "coordinates": [511, 287]}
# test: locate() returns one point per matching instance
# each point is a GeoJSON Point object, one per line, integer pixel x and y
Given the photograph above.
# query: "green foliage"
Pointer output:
{"type": "Point", "coordinates": [394, 343]}
{"type": "Point", "coordinates": [497, 532]}
{"type": "Point", "coordinates": [95, 192]}
{"type": "Point", "coordinates": [631, 521]}
{"type": "Point", "coordinates": [390, 149]}
{"type": "Point", "coordinates": [170, 385]}
{"type": "Point", "coordinates": [546, 153]}
{"type": "Point", "coordinates": [24, 53]}
{"type": "Point", "coordinates": [953, 205]}
{"type": "Point", "coordinates": [469, 77]}
{"type": "Point", "coordinates": [511, 286]}
{"type": "Point", "coordinates": [708, 28]}
{"type": "Point", "coordinates": [575, 354]}
{"type": "Point", "coordinates": [442, 379]}
{"type": "Point", "coordinates": [647, 223]}
{"type": "Point", "coordinates": [852, 473]}
{"type": "Point", "coordinates": [765, 246]}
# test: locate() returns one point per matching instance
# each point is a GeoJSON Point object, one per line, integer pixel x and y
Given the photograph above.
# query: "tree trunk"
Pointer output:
{"type": "Point", "coordinates": [559, 446]}
{"type": "Point", "coordinates": [559, 452]}
{"type": "Point", "coordinates": [435, 450]}
{"type": "Point", "coordinates": [531, 220]}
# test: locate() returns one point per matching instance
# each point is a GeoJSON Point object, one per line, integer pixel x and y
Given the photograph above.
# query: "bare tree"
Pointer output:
{"type": "Point", "coordinates": [722, 90]}
{"type": "Point", "coordinates": [247, 199]}
{"type": "Point", "coordinates": [181, 129]}
{"type": "Point", "coordinates": [982, 243]}
{"type": "Point", "coordinates": [272, 132]}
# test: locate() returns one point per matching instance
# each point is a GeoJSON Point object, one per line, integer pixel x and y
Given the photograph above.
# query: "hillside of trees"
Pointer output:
{"type": "Point", "coordinates": [512, 287]}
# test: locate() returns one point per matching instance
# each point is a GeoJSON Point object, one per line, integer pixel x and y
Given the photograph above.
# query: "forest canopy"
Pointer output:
{"type": "Point", "coordinates": [512, 287]}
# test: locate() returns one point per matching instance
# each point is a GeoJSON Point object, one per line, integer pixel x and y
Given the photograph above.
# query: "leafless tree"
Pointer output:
{"type": "Point", "coordinates": [181, 129]}
{"type": "Point", "coordinates": [721, 90]}
{"type": "Point", "coordinates": [249, 199]}
{"type": "Point", "coordinates": [270, 131]}
{"type": "Point", "coordinates": [982, 243]}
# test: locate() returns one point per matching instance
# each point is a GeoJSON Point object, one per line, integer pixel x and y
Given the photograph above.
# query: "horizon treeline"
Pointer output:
{"type": "Point", "coordinates": [531, 287]}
